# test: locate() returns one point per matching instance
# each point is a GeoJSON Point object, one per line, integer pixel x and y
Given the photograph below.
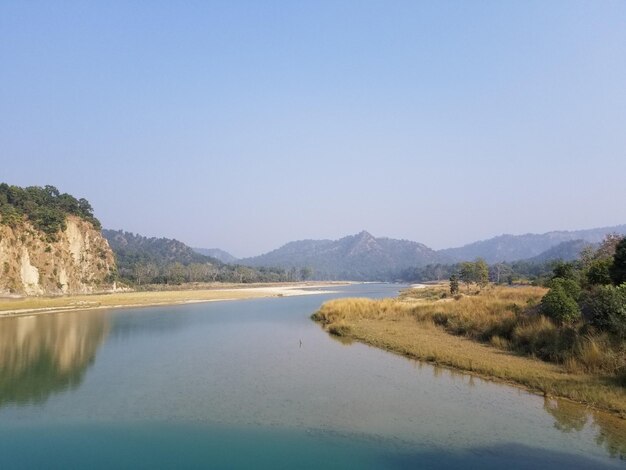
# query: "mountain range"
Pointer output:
{"type": "Point", "coordinates": [530, 245]}
{"type": "Point", "coordinates": [363, 257]}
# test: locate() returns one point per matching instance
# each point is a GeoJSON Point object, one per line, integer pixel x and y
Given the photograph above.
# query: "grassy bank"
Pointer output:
{"type": "Point", "coordinates": [496, 333]}
{"type": "Point", "coordinates": [31, 305]}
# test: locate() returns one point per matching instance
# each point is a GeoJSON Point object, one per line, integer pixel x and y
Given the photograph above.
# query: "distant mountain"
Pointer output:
{"type": "Point", "coordinates": [521, 247]}
{"type": "Point", "coordinates": [565, 251]}
{"type": "Point", "coordinates": [360, 257]}
{"type": "Point", "coordinates": [223, 256]}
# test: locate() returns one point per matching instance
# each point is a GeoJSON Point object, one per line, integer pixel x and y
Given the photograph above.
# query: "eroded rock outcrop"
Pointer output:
{"type": "Point", "coordinates": [78, 260]}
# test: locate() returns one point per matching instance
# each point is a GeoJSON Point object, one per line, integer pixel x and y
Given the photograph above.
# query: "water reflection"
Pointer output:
{"type": "Point", "coordinates": [571, 417]}
{"type": "Point", "coordinates": [44, 354]}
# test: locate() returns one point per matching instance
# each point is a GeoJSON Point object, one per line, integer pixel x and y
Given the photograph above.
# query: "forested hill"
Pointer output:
{"type": "Point", "coordinates": [360, 257]}
{"type": "Point", "coordinates": [143, 260]}
{"type": "Point", "coordinates": [520, 247]}
{"type": "Point", "coordinates": [133, 248]}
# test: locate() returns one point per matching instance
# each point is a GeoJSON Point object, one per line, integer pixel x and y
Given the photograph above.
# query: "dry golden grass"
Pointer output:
{"type": "Point", "coordinates": [488, 335]}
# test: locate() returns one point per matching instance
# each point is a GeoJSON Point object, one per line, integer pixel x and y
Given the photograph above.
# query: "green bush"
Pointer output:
{"type": "Point", "coordinates": [570, 286]}
{"type": "Point", "coordinates": [559, 305]}
{"type": "Point", "coordinates": [598, 272]}
{"type": "Point", "coordinates": [606, 308]}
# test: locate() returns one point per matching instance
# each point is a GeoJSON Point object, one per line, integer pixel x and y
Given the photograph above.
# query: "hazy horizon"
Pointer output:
{"type": "Point", "coordinates": [245, 125]}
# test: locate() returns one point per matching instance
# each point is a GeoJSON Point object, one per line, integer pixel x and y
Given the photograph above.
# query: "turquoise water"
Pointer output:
{"type": "Point", "coordinates": [227, 385]}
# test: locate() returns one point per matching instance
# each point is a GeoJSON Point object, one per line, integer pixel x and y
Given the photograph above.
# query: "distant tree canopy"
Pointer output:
{"type": "Point", "coordinates": [46, 208]}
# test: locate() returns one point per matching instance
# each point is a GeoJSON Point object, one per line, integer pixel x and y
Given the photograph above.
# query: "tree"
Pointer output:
{"type": "Point", "coordinates": [560, 306]}
{"type": "Point", "coordinates": [618, 268]}
{"type": "Point", "coordinates": [564, 270]}
{"type": "Point", "coordinates": [454, 284]}
{"type": "Point", "coordinates": [175, 273]}
{"type": "Point", "coordinates": [500, 272]}
{"type": "Point", "coordinates": [481, 272]}
{"type": "Point", "coordinates": [571, 287]}
{"type": "Point", "coordinates": [141, 273]}
{"type": "Point", "coordinates": [608, 246]}
{"type": "Point", "coordinates": [598, 272]}
{"type": "Point", "coordinates": [306, 273]}
{"type": "Point", "coordinates": [467, 273]}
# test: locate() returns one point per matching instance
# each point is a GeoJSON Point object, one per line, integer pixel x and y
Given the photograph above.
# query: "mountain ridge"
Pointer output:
{"type": "Point", "coordinates": [357, 257]}
{"type": "Point", "coordinates": [508, 248]}
{"type": "Point", "coordinates": [364, 257]}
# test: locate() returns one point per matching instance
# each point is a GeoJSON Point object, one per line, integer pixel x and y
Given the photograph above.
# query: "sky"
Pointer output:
{"type": "Point", "coordinates": [247, 124]}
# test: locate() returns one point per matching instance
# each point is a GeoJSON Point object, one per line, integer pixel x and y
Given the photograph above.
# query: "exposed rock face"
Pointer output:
{"type": "Point", "coordinates": [78, 261]}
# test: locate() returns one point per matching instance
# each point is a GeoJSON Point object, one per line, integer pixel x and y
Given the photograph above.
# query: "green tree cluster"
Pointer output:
{"type": "Point", "coordinates": [476, 272]}
{"type": "Point", "coordinates": [45, 207]}
{"type": "Point", "coordinates": [593, 289]}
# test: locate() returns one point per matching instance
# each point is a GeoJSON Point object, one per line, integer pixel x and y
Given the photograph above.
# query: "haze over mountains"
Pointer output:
{"type": "Point", "coordinates": [363, 257]}
{"type": "Point", "coordinates": [519, 247]}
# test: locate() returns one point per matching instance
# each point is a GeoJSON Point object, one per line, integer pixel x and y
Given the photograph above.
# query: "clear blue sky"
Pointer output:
{"type": "Point", "coordinates": [246, 124]}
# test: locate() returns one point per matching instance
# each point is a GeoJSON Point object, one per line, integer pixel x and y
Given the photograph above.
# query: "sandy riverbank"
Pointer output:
{"type": "Point", "coordinates": [39, 305]}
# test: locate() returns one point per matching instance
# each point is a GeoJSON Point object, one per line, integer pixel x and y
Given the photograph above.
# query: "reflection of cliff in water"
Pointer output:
{"type": "Point", "coordinates": [571, 417]}
{"type": "Point", "coordinates": [44, 354]}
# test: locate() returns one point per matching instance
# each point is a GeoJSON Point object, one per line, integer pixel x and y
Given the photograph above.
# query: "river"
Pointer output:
{"type": "Point", "coordinates": [257, 384]}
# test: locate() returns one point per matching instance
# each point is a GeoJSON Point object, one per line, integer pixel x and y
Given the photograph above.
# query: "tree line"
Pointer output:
{"type": "Point", "coordinates": [178, 273]}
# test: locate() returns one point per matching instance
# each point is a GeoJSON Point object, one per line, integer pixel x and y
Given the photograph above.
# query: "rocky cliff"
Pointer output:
{"type": "Point", "coordinates": [77, 260]}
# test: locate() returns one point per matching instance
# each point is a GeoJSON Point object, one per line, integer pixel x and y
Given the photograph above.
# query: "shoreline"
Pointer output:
{"type": "Point", "coordinates": [10, 307]}
{"type": "Point", "coordinates": [387, 344]}
{"type": "Point", "coordinates": [391, 325]}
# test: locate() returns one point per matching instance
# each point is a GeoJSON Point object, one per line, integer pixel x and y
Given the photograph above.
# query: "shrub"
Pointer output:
{"type": "Point", "coordinates": [564, 270]}
{"type": "Point", "coordinates": [570, 286]}
{"type": "Point", "coordinates": [599, 272]}
{"type": "Point", "coordinates": [559, 305]}
{"type": "Point", "coordinates": [606, 308]}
